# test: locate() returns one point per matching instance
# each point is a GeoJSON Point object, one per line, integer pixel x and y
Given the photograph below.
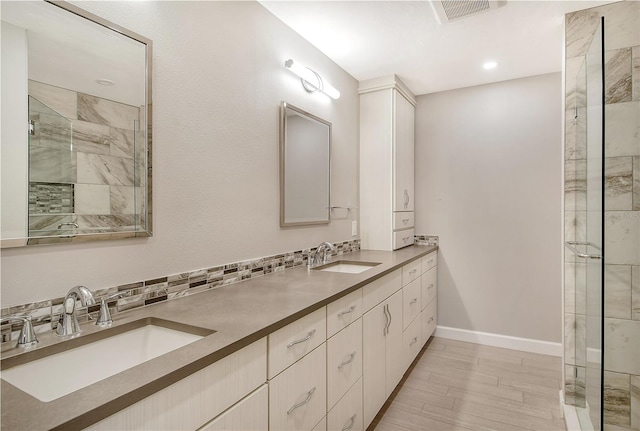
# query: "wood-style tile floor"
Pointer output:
{"type": "Point", "coordinates": [463, 386]}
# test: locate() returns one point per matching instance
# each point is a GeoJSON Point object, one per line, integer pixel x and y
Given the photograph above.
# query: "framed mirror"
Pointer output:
{"type": "Point", "coordinates": [305, 167]}
{"type": "Point", "coordinates": [76, 126]}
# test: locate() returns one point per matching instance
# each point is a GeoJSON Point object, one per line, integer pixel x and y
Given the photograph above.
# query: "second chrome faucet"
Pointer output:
{"type": "Point", "coordinates": [319, 256]}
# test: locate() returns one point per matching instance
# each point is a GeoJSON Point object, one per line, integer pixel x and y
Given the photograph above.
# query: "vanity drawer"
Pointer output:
{"type": "Point", "coordinates": [429, 261]}
{"type": "Point", "coordinates": [343, 312]}
{"type": "Point", "coordinates": [411, 342]}
{"type": "Point", "coordinates": [410, 272]}
{"type": "Point", "coordinates": [379, 290]}
{"type": "Point", "coordinates": [403, 238]}
{"type": "Point", "coordinates": [249, 414]}
{"type": "Point", "coordinates": [295, 340]}
{"type": "Point", "coordinates": [298, 396]}
{"type": "Point", "coordinates": [429, 319]}
{"type": "Point", "coordinates": [429, 286]}
{"type": "Point", "coordinates": [344, 361]}
{"type": "Point", "coordinates": [411, 303]}
{"type": "Point", "coordinates": [403, 220]}
{"type": "Point", "coordinates": [347, 414]}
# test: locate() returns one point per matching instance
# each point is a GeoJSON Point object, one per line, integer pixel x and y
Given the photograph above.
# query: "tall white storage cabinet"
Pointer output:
{"type": "Point", "coordinates": [387, 117]}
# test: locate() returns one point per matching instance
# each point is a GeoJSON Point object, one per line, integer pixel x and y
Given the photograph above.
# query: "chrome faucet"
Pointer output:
{"type": "Point", "coordinates": [68, 323]}
{"type": "Point", "coordinates": [320, 255]}
{"type": "Point", "coordinates": [27, 337]}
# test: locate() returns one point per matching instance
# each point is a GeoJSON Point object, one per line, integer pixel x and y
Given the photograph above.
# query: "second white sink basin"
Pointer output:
{"type": "Point", "coordinates": [61, 373]}
{"type": "Point", "coordinates": [349, 267]}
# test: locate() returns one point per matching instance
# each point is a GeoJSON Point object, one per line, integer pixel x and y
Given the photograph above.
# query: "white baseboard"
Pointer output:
{"type": "Point", "coordinates": [504, 341]}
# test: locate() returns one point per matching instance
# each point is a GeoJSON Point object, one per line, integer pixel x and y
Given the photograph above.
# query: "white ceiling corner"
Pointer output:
{"type": "Point", "coordinates": [369, 39]}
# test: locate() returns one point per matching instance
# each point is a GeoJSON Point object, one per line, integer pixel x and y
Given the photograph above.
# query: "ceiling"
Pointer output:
{"type": "Point", "coordinates": [370, 39]}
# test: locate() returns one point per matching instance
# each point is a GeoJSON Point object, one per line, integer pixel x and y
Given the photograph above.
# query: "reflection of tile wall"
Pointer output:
{"type": "Point", "coordinates": [103, 160]}
{"type": "Point", "coordinates": [622, 206]}
{"type": "Point", "coordinates": [50, 198]}
{"type": "Point", "coordinates": [45, 314]}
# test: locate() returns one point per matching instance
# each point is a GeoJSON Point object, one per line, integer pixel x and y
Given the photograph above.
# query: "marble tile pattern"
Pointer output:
{"type": "Point", "coordinates": [617, 399]}
{"type": "Point", "coordinates": [618, 87]}
{"type": "Point", "coordinates": [622, 202]}
{"type": "Point", "coordinates": [93, 143]}
{"type": "Point", "coordinates": [46, 314]}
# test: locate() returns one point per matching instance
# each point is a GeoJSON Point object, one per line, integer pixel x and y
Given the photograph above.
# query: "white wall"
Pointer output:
{"type": "Point", "coordinates": [15, 154]}
{"type": "Point", "coordinates": [488, 182]}
{"type": "Point", "coordinates": [218, 80]}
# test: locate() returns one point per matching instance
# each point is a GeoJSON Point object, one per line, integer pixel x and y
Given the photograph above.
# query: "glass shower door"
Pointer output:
{"type": "Point", "coordinates": [587, 246]}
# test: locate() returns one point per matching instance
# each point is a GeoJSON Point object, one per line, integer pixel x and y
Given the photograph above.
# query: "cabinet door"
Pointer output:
{"type": "Point", "coordinates": [374, 324]}
{"type": "Point", "coordinates": [429, 286]}
{"type": "Point", "coordinates": [403, 153]}
{"type": "Point", "coordinates": [344, 361]}
{"type": "Point", "coordinates": [298, 395]}
{"type": "Point", "coordinates": [203, 395]}
{"type": "Point", "coordinates": [250, 414]}
{"type": "Point", "coordinates": [429, 319]}
{"type": "Point", "coordinates": [343, 312]}
{"type": "Point", "coordinates": [295, 340]}
{"type": "Point", "coordinates": [347, 414]}
{"type": "Point", "coordinates": [412, 342]}
{"type": "Point", "coordinates": [411, 302]}
{"type": "Point", "coordinates": [394, 365]}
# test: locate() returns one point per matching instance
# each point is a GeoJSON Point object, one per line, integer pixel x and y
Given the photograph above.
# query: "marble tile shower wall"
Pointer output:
{"type": "Point", "coordinates": [102, 160]}
{"type": "Point", "coordinates": [622, 211]}
{"type": "Point", "coordinates": [45, 314]}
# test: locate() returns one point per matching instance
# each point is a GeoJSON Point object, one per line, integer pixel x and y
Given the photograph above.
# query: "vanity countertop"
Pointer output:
{"type": "Point", "coordinates": [240, 313]}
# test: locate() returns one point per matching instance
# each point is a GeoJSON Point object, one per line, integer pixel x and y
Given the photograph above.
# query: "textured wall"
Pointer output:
{"type": "Point", "coordinates": [488, 178]}
{"type": "Point", "coordinates": [218, 80]}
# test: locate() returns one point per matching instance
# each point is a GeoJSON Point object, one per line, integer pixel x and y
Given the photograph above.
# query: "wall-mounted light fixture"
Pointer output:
{"type": "Point", "coordinates": [311, 80]}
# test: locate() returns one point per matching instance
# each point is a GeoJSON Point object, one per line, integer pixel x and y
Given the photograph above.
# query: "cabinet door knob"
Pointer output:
{"type": "Point", "coordinates": [352, 422]}
{"type": "Point", "coordinates": [302, 340]}
{"type": "Point", "coordinates": [413, 301]}
{"type": "Point", "coordinates": [414, 341]}
{"type": "Point", "coordinates": [300, 404]}
{"type": "Point", "coordinates": [348, 361]}
{"type": "Point", "coordinates": [350, 310]}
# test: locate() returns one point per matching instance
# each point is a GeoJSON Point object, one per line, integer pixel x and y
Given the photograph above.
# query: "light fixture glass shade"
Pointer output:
{"type": "Point", "coordinates": [312, 78]}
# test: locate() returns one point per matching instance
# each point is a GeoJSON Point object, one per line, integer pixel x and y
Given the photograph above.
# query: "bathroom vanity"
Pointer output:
{"type": "Point", "coordinates": [300, 349]}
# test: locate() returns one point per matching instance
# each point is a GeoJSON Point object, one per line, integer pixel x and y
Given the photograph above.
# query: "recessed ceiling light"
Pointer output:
{"type": "Point", "coordinates": [490, 65]}
{"type": "Point", "coordinates": [105, 82]}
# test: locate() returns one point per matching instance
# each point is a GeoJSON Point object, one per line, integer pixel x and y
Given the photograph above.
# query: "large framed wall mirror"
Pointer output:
{"type": "Point", "coordinates": [76, 126]}
{"type": "Point", "coordinates": [305, 167]}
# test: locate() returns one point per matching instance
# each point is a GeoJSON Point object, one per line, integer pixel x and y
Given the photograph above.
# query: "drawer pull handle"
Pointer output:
{"type": "Point", "coordinates": [414, 341]}
{"type": "Point", "coordinates": [413, 301]}
{"type": "Point", "coordinates": [348, 361]}
{"type": "Point", "coordinates": [405, 220]}
{"type": "Point", "coordinates": [430, 320]}
{"type": "Point", "coordinates": [350, 310]}
{"type": "Point", "coordinates": [352, 422]}
{"type": "Point", "coordinates": [406, 238]}
{"type": "Point", "coordinates": [430, 286]}
{"type": "Point", "coordinates": [430, 262]}
{"type": "Point", "coordinates": [413, 271]}
{"type": "Point", "coordinates": [302, 340]}
{"type": "Point", "coordinates": [301, 403]}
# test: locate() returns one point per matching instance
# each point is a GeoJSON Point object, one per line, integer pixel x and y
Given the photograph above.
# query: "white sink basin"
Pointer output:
{"type": "Point", "coordinates": [61, 373]}
{"type": "Point", "coordinates": [347, 267]}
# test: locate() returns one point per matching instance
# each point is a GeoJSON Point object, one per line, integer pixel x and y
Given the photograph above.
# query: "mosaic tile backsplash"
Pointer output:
{"type": "Point", "coordinates": [45, 314]}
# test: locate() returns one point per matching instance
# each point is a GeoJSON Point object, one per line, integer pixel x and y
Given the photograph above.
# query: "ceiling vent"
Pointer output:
{"type": "Point", "coordinates": [451, 10]}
